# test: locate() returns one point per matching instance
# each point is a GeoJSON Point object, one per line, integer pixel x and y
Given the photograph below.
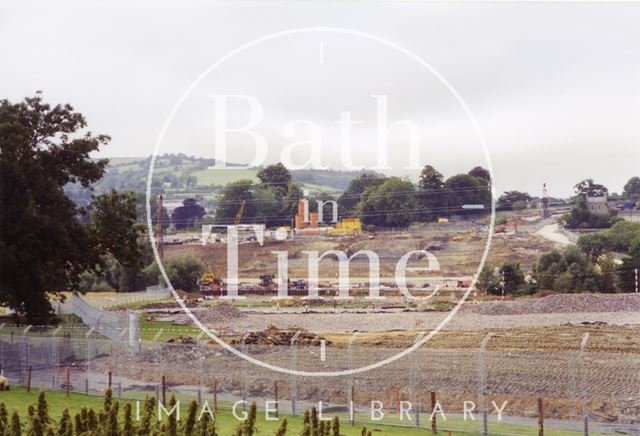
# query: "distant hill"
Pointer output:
{"type": "Point", "coordinates": [181, 172]}
{"type": "Point", "coordinates": [180, 176]}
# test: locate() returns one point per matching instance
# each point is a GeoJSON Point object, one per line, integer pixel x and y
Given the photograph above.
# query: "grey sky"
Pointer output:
{"type": "Point", "coordinates": [554, 86]}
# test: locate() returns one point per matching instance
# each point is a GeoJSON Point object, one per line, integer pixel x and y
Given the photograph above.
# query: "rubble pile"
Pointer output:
{"type": "Point", "coordinates": [274, 336]}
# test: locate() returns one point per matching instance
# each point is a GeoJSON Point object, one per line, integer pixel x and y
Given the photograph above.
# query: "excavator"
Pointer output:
{"type": "Point", "coordinates": [211, 283]}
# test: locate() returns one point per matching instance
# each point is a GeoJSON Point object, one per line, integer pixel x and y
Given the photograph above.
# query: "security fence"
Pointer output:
{"type": "Point", "coordinates": [113, 325]}
{"type": "Point", "coordinates": [580, 390]}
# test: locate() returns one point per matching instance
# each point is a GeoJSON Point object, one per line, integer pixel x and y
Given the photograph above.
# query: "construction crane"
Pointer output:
{"type": "Point", "coordinates": [239, 214]}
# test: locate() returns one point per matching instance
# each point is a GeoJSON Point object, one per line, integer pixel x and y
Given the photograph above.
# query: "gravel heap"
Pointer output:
{"type": "Point", "coordinates": [561, 303]}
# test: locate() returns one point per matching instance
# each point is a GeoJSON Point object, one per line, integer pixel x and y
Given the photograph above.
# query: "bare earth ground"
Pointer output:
{"type": "Point", "coordinates": [534, 350]}
{"type": "Point", "coordinates": [455, 257]}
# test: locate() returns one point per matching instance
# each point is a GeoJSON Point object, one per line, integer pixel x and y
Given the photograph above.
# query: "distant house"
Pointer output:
{"type": "Point", "coordinates": [597, 204]}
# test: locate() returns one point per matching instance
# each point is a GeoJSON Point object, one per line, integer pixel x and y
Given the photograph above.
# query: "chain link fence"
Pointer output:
{"type": "Point", "coordinates": [580, 389]}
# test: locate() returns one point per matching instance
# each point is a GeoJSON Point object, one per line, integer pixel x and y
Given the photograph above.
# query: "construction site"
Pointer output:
{"type": "Point", "coordinates": [566, 360]}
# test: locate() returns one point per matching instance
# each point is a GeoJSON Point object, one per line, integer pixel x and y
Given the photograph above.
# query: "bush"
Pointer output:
{"type": "Point", "coordinates": [184, 273]}
{"type": "Point", "coordinates": [568, 271]}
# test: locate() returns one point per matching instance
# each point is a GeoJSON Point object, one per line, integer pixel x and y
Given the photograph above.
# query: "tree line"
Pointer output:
{"type": "Point", "coordinates": [589, 266]}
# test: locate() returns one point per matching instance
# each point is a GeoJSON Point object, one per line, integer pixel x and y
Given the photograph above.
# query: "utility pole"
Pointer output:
{"type": "Point", "coordinates": [636, 278]}
{"type": "Point", "coordinates": [545, 202]}
{"type": "Point", "coordinates": [160, 228]}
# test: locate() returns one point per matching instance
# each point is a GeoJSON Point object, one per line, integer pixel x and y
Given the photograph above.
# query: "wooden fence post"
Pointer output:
{"type": "Point", "coordinates": [434, 425]}
{"type": "Point", "coordinates": [540, 417]}
{"type": "Point", "coordinates": [164, 390]}
{"type": "Point", "coordinates": [275, 390]}
{"type": "Point", "coordinates": [68, 385]}
{"type": "Point", "coordinates": [215, 395]}
{"type": "Point", "coordinates": [29, 379]}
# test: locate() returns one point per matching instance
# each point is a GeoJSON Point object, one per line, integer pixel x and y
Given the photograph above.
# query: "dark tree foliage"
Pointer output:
{"type": "Point", "coordinates": [509, 198]}
{"type": "Point", "coordinates": [632, 188]}
{"type": "Point", "coordinates": [594, 244]}
{"type": "Point", "coordinates": [185, 216]}
{"type": "Point", "coordinates": [512, 277]}
{"type": "Point", "coordinates": [430, 179]}
{"type": "Point", "coordinates": [46, 241]}
{"type": "Point", "coordinates": [230, 200]}
{"type": "Point", "coordinates": [481, 173]}
{"type": "Point", "coordinates": [431, 194]}
{"type": "Point", "coordinates": [589, 188]}
{"type": "Point", "coordinates": [581, 217]}
{"type": "Point", "coordinates": [348, 201]}
{"type": "Point", "coordinates": [276, 176]}
{"type": "Point", "coordinates": [273, 201]}
{"type": "Point", "coordinates": [629, 267]}
{"type": "Point", "coordinates": [141, 200]}
{"type": "Point", "coordinates": [567, 271]}
{"type": "Point", "coordinates": [464, 189]}
{"type": "Point", "coordinates": [391, 203]}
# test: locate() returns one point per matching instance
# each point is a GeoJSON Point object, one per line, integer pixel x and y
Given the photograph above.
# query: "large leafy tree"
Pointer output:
{"type": "Point", "coordinates": [589, 188]}
{"type": "Point", "coordinates": [391, 203]}
{"type": "Point", "coordinates": [46, 241]}
{"type": "Point", "coordinates": [276, 176]}
{"type": "Point", "coordinates": [431, 195]}
{"type": "Point", "coordinates": [230, 199]}
{"type": "Point", "coordinates": [185, 216]}
{"type": "Point", "coordinates": [632, 188]}
{"type": "Point", "coordinates": [481, 173]}
{"type": "Point", "coordinates": [348, 201]}
{"type": "Point", "coordinates": [464, 189]}
{"type": "Point", "coordinates": [509, 199]}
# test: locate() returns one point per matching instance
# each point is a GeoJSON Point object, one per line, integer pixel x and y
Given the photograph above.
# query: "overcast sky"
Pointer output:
{"type": "Point", "coordinates": [554, 87]}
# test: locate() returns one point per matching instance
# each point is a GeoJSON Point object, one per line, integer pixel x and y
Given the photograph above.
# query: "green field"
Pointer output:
{"type": "Point", "coordinates": [19, 399]}
{"type": "Point", "coordinates": [223, 176]}
{"type": "Point", "coordinates": [149, 330]}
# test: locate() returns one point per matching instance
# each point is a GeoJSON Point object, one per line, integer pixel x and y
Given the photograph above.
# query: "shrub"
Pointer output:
{"type": "Point", "coordinates": [335, 426]}
{"type": "Point", "coordinates": [16, 428]}
{"type": "Point", "coordinates": [282, 430]}
{"type": "Point", "coordinates": [127, 425]}
{"type": "Point", "coordinates": [65, 426]}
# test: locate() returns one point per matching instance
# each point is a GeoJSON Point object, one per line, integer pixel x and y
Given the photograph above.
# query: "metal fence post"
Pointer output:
{"type": "Point", "coordinates": [200, 371]}
{"type": "Point", "coordinates": [53, 356]}
{"type": "Point", "coordinates": [351, 380]}
{"type": "Point", "coordinates": [88, 343]}
{"type": "Point", "coordinates": [243, 364]}
{"type": "Point", "coordinates": [119, 359]}
{"type": "Point", "coordinates": [583, 381]}
{"type": "Point", "coordinates": [294, 366]}
{"type": "Point", "coordinates": [414, 379]}
{"type": "Point", "coordinates": [482, 385]}
{"type": "Point", "coordinates": [24, 354]}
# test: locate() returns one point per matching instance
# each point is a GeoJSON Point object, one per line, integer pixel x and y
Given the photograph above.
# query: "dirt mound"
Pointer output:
{"type": "Point", "coordinates": [184, 340]}
{"type": "Point", "coordinates": [221, 312]}
{"type": "Point", "coordinates": [274, 336]}
{"type": "Point", "coordinates": [560, 303]}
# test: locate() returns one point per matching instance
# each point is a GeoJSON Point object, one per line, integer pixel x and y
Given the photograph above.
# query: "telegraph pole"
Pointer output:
{"type": "Point", "coordinates": [160, 228]}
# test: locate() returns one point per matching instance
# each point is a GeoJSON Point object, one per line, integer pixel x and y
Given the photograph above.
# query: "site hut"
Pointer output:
{"type": "Point", "coordinates": [598, 204]}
